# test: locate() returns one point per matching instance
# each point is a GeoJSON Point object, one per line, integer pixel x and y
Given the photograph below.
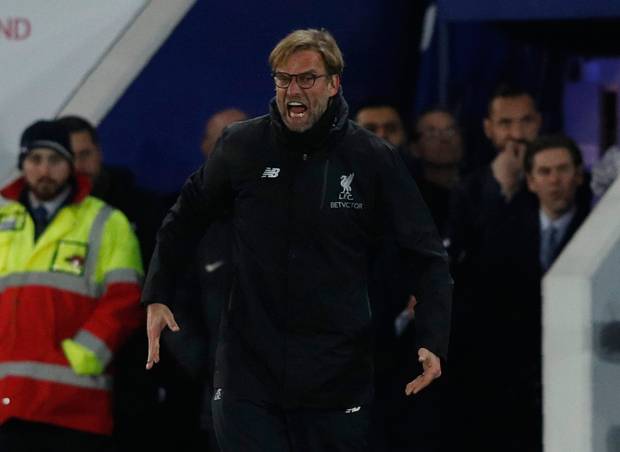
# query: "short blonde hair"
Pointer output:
{"type": "Point", "coordinates": [320, 41]}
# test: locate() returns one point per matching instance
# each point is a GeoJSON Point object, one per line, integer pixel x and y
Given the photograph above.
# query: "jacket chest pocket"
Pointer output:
{"type": "Point", "coordinates": [70, 257]}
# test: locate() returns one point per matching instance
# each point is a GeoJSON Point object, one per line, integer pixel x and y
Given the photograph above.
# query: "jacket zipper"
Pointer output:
{"type": "Point", "coordinates": [324, 191]}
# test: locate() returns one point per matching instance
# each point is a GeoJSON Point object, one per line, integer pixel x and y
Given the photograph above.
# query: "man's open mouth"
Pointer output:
{"type": "Point", "coordinates": [296, 109]}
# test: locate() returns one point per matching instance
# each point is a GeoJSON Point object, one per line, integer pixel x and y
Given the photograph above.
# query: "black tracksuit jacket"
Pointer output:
{"type": "Point", "coordinates": [308, 210]}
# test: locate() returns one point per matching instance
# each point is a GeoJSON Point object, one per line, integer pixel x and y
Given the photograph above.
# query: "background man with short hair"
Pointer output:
{"type": "Point", "coordinates": [523, 247]}
{"type": "Point", "coordinates": [480, 203]}
{"type": "Point", "coordinates": [383, 120]}
{"type": "Point", "coordinates": [437, 146]}
{"type": "Point", "coordinates": [216, 124]}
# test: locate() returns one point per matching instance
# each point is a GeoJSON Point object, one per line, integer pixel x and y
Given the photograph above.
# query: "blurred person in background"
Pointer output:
{"type": "Point", "coordinates": [480, 203]}
{"type": "Point", "coordinates": [521, 249]}
{"type": "Point", "coordinates": [216, 124]}
{"type": "Point", "coordinates": [136, 393]}
{"type": "Point", "coordinates": [115, 184]}
{"type": "Point", "coordinates": [70, 269]}
{"type": "Point", "coordinates": [399, 422]}
{"type": "Point", "coordinates": [384, 120]}
{"type": "Point", "coordinates": [110, 183]}
{"type": "Point", "coordinates": [437, 146]}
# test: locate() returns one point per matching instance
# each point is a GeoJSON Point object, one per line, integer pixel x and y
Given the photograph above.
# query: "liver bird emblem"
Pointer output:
{"type": "Point", "coordinates": [345, 182]}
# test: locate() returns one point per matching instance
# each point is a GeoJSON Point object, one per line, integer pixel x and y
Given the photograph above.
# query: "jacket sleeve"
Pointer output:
{"type": "Point", "coordinates": [425, 257]}
{"type": "Point", "coordinates": [118, 274]}
{"type": "Point", "coordinates": [205, 196]}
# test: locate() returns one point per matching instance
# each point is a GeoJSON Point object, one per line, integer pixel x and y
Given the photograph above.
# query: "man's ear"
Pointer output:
{"type": "Point", "coordinates": [334, 81]}
{"type": "Point", "coordinates": [487, 125]}
{"type": "Point", "coordinates": [579, 175]}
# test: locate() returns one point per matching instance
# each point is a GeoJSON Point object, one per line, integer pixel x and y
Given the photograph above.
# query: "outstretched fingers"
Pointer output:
{"type": "Point", "coordinates": [158, 317]}
{"type": "Point", "coordinates": [431, 366]}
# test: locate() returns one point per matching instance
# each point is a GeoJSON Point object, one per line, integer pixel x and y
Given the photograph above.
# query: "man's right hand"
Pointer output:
{"type": "Point", "coordinates": [508, 167]}
{"type": "Point", "coordinates": [158, 316]}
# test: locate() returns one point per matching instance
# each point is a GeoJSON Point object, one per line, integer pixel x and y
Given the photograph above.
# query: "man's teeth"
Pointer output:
{"type": "Point", "coordinates": [296, 109]}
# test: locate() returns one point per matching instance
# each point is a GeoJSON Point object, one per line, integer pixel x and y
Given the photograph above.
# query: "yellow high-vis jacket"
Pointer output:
{"type": "Point", "coordinates": [80, 280]}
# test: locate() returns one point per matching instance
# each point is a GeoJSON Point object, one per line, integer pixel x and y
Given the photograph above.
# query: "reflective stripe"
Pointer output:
{"type": "Point", "coordinates": [54, 373]}
{"type": "Point", "coordinates": [122, 275]}
{"type": "Point", "coordinates": [94, 240]}
{"type": "Point", "coordinates": [56, 280]}
{"type": "Point", "coordinates": [70, 283]}
{"type": "Point", "coordinates": [8, 225]}
{"type": "Point", "coordinates": [94, 344]}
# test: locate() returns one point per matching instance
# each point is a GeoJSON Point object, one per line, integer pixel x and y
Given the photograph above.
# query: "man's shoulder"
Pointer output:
{"type": "Point", "coordinates": [247, 129]}
{"type": "Point", "coordinates": [93, 206]}
{"type": "Point", "coordinates": [242, 138]}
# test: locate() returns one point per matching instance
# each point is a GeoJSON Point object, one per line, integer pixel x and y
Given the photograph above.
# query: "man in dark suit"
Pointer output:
{"type": "Point", "coordinates": [522, 248]}
{"type": "Point", "coordinates": [479, 204]}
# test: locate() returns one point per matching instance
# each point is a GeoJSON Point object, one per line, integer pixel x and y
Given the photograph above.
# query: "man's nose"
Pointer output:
{"type": "Point", "coordinates": [45, 167]}
{"type": "Point", "coordinates": [381, 131]}
{"type": "Point", "coordinates": [516, 131]}
{"type": "Point", "coordinates": [294, 87]}
{"type": "Point", "coordinates": [554, 177]}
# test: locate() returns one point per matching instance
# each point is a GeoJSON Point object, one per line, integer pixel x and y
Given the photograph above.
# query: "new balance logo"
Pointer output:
{"type": "Point", "coordinates": [355, 409]}
{"type": "Point", "coordinates": [218, 394]}
{"type": "Point", "coordinates": [271, 172]}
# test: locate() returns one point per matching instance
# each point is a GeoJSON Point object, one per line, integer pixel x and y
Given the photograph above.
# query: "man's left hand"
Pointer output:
{"type": "Point", "coordinates": [431, 366]}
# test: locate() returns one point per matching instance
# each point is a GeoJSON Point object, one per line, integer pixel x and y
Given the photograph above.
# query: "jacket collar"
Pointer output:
{"type": "Point", "coordinates": [15, 188]}
{"type": "Point", "coordinates": [330, 126]}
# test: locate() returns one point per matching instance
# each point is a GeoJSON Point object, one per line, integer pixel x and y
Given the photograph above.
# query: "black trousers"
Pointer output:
{"type": "Point", "coordinates": [23, 436]}
{"type": "Point", "coordinates": [242, 425]}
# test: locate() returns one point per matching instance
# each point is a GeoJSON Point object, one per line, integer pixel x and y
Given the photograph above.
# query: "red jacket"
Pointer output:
{"type": "Point", "coordinates": [79, 280]}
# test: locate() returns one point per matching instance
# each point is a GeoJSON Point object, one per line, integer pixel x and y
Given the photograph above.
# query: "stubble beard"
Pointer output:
{"type": "Point", "coordinates": [46, 189]}
{"type": "Point", "coordinates": [313, 116]}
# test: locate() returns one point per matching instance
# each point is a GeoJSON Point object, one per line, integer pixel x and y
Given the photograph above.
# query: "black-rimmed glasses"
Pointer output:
{"type": "Point", "coordinates": [305, 80]}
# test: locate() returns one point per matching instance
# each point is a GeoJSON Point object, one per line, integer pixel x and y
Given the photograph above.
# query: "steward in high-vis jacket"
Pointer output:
{"type": "Point", "coordinates": [309, 201]}
{"type": "Point", "coordinates": [70, 274]}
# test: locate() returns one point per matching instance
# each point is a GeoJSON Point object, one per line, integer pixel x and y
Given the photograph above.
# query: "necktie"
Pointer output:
{"type": "Point", "coordinates": [551, 246]}
{"type": "Point", "coordinates": [39, 215]}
